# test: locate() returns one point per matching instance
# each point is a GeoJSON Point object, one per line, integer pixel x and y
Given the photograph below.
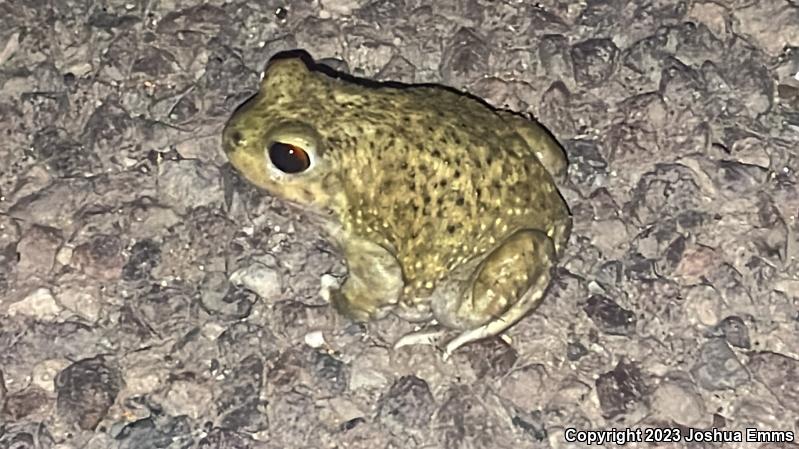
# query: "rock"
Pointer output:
{"type": "Point", "coordinates": [594, 61]}
{"type": "Point", "coordinates": [187, 398]}
{"type": "Point", "coordinates": [492, 357]}
{"type": "Point", "coordinates": [553, 54]}
{"type": "Point", "coordinates": [465, 419]}
{"type": "Point", "coordinates": [712, 15]}
{"type": "Point", "coordinates": [368, 370]}
{"type": "Point", "coordinates": [39, 304]}
{"type": "Point", "coordinates": [27, 403]}
{"type": "Point", "coordinates": [45, 372]}
{"type": "Point", "coordinates": [151, 432]}
{"type": "Point", "coordinates": [693, 262]}
{"type": "Point", "coordinates": [666, 191]}
{"type": "Point", "coordinates": [144, 256]}
{"type": "Point", "coordinates": [703, 304]}
{"type": "Point", "coordinates": [218, 296]}
{"type": "Point", "coordinates": [188, 184]}
{"type": "Point", "coordinates": [86, 390]}
{"type": "Point", "coordinates": [735, 332]}
{"type": "Point", "coordinates": [340, 413]}
{"type": "Point", "coordinates": [240, 400]}
{"type": "Point", "coordinates": [718, 368]}
{"type": "Point", "coordinates": [620, 390]}
{"type": "Point", "coordinates": [264, 281]}
{"type": "Point", "coordinates": [80, 298]}
{"type": "Point", "coordinates": [55, 205]}
{"type": "Point", "coordinates": [772, 24]}
{"type": "Point", "coordinates": [338, 8]}
{"type": "Point", "coordinates": [673, 402]}
{"type": "Point", "coordinates": [588, 167]}
{"type": "Point", "coordinates": [780, 374]}
{"type": "Point", "coordinates": [225, 439]}
{"type": "Point", "coordinates": [609, 316]}
{"type": "Point", "coordinates": [407, 405]}
{"type": "Point", "coordinates": [37, 250]}
{"type": "Point", "coordinates": [575, 350]}
{"type": "Point", "coordinates": [101, 257]}
{"type": "Point", "coordinates": [295, 417]}
{"type": "Point", "coordinates": [525, 386]}
{"type": "Point", "coordinates": [147, 220]}
{"type": "Point", "coordinates": [465, 58]}
{"type": "Point", "coordinates": [330, 373]}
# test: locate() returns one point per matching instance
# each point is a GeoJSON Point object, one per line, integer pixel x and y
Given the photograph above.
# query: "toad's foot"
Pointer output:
{"type": "Point", "coordinates": [430, 336]}
{"type": "Point", "coordinates": [480, 333]}
{"type": "Point", "coordinates": [427, 336]}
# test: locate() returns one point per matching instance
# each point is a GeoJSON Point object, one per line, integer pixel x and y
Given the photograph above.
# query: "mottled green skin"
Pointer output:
{"type": "Point", "coordinates": [445, 209]}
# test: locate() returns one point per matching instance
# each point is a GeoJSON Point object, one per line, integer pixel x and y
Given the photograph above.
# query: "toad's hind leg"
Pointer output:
{"type": "Point", "coordinates": [540, 141]}
{"type": "Point", "coordinates": [507, 285]}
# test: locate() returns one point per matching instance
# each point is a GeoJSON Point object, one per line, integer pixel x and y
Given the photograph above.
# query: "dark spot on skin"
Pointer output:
{"type": "Point", "coordinates": [460, 201]}
{"type": "Point", "coordinates": [457, 174]}
{"type": "Point", "coordinates": [436, 154]}
{"type": "Point", "coordinates": [451, 229]}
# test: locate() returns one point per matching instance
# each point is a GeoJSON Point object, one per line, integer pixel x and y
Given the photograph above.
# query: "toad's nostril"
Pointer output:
{"type": "Point", "coordinates": [232, 140]}
{"type": "Point", "coordinates": [236, 137]}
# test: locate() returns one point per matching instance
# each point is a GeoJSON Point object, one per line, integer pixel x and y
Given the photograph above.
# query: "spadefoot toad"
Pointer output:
{"type": "Point", "coordinates": [444, 208]}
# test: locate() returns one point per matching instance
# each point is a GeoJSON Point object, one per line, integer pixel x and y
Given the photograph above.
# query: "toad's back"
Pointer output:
{"type": "Point", "coordinates": [433, 174]}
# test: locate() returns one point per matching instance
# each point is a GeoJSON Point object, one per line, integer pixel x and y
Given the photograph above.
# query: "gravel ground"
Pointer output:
{"type": "Point", "coordinates": [150, 298]}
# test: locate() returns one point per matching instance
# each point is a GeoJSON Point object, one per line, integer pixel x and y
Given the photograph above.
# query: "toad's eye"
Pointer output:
{"type": "Point", "coordinates": [288, 158]}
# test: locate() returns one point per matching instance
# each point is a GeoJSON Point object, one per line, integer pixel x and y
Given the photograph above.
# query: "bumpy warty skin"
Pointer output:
{"type": "Point", "coordinates": [435, 178]}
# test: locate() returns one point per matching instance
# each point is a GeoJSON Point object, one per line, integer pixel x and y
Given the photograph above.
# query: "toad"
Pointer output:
{"type": "Point", "coordinates": [445, 209]}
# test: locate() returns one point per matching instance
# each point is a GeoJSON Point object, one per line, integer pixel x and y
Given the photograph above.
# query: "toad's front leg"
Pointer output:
{"type": "Point", "coordinates": [373, 284]}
